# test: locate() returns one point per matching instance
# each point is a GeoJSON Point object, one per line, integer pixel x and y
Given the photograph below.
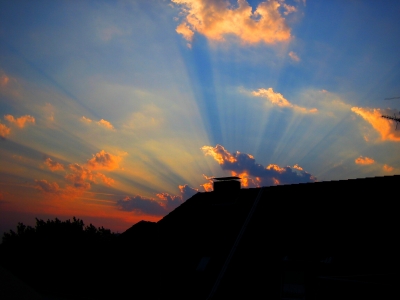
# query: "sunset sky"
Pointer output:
{"type": "Point", "coordinates": [118, 111]}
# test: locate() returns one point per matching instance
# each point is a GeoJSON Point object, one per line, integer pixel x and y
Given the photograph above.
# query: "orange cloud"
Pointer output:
{"type": "Point", "coordinates": [294, 56]}
{"type": "Point", "coordinates": [388, 168]}
{"type": "Point", "coordinates": [79, 177]}
{"type": "Point", "coordinates": [278, 100]}
{"type": "Point", "coordinates": [102, 122]}
{"type": "Point", "coordinates": [106, 180]}
{"type": "Point", "coordinates": [4, 130]}
{"type": "Point", "coordinates": [53, 165]}
{"type": "Point", "coordinates": [21, 121]}
{"type": "Point", "coordinates": [105, 124]}
{"type": "Point", "coordinates": [275, 168]}
{"type": "Point", "coordinates": [104, 160]}
{"type": "Point", "coordinates": [215, 19]}
{"type": "Point", "coordinates": [364, 161]}
{"type": "Point", "coordinates": [385, 127]}
{"type": "Point", "coordinates": [47, 187]}
{"type": "Point", "coordinates": [87, 120]}
{"type": "Point", "coordinates": [296, 166]}
{"type": "Point", "coordinates": [219, 154]}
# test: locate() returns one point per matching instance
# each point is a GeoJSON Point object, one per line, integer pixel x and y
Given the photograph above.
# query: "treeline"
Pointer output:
{"type": "Point", "coordinates": [72, 260]}
{"type": "Point", "coordinates": [56, 230]}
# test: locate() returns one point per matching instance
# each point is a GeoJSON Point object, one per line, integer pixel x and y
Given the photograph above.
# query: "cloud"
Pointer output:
{"type": "Point", "coordinates": [387, 168]}
{"type": "Point", "coordinates": [9, 86]}
{"type": "Point", "coordinates": [105, 124]}
{"type": "Point", "coordinates": [277, 99]}
{"type": "Point", "coordinates": [104, 160]}
{"type": "Point", "coordinates": [21, 121]}
{"type": "Point", "coordinates": [141, 205]}
{"type": "Point", "coordinates": [102, 122]}
{"type": "Point", "coordinates": [294, 56]}
{"type": "Point", "coordinates": [87, 120]}
{"type": "Point", "coordinates": [106, 180]}
{"type": "Point", "coordinates": [47, 187]}
{"type": "Point", "coordinates": [53, 165]}
{"type": "Point", "coordinates": [242, 164]}
{"type": "Point", "coordinates": [215, 19]}
{"type": "Point", "coordinates": [158, 207]}
{"type": "Point", "coordinates": [384, 127]}
{"type": "Point", "coordinates": [289, 9]}
{"type": "Point", "coordinates": [79, 177]}
{"type": "Point", "coordinates": [187, 191]}
{"type": "Point", "coordinates": [4, 79]}
{"type": "Point", "coordinates": [208, 186]}
{"type": "Point", "coordinates": [4, 131]}
{"type": "Point", "coordinates": [364, 161]}
{"type": "Point", "coordinates": [48, 110]}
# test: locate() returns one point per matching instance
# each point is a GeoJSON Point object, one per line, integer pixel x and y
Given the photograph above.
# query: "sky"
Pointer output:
{"type": "Point", "coordinates": [119, 111]}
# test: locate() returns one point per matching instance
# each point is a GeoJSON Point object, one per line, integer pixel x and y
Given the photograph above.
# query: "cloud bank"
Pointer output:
{"type": "Point", "coordinates": [215, 19]}
{"type": "Point", "coordinates": [253, 174]}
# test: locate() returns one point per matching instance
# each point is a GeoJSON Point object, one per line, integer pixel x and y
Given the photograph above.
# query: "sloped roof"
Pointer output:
{"type": "Point", "coordinates": [308, 223]}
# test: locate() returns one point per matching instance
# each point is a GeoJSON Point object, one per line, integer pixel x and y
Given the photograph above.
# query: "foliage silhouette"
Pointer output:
{"type": "Point", "coordinates": [55, 230]}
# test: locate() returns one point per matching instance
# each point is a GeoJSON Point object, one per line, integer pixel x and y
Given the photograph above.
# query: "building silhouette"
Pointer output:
{"type": "Point", "coordinates": [323, 240]}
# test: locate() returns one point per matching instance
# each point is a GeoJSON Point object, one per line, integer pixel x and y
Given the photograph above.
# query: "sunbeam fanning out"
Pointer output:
{"type": "Point", "coordinates": [123, 112]}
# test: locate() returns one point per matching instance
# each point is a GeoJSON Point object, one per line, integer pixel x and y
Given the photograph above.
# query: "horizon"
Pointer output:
{"type": "Point", "coordinates": [119, 112]}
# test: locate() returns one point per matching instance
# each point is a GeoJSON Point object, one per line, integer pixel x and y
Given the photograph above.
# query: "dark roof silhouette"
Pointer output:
{"type": "Point", "coordinates": [332, 239]}
{"type": "Point", "coordinates": [323, 240]}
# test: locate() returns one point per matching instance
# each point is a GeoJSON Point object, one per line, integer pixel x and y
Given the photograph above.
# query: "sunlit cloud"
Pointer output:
{"type": "Point", "coordinates": [384, 127]}
{"type": "Point", "coordinates": [87, 120]}
{"type": "Point", "coordinates": [104, 160]}
{"type": "Point", "coordinates": [297, 167]}
{"type": "Point", "coordinates": [102, 122]}
{"type": "Point", "coordinates": [277, 99]}
{"type": "Point", "coordinates": [21, 121]}
{"type": "Point", "coordinates": [294, 56]}
{"type": "Point", "coordinates": [289, 9]}
{"type": "Point", "coordinates": [106, 180]}
{"type": "Point", "coordinates": [4, 130]}
{"type": "Point", "coordinates": [53, 165]}
{"type": "Point", "coordinates": [208, 186]}
{"type": "Point", "coordinates": [105, 124]}
{"type": "Point", "coordinates": [79, 177]}
{"type": "Point", "coordinates": [256, 174]}
{"type": "Point", "coordinates": [364, 160]}
{"type": "Point", "coordinates": [387, 168]}
{"type": "Point", "coordinates": [216, 19]}
{"type": "Point", "coordinates": [47, 187]}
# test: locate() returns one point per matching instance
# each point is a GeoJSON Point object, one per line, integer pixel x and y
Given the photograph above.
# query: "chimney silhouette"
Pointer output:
{"type": "Point", "coordinates": [226, 184]}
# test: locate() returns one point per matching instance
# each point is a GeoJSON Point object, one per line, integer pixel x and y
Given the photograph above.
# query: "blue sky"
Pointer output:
{"type": "Point", "coordinates": [118, 111]}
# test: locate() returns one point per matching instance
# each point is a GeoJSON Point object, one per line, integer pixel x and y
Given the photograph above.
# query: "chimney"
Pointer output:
{"type": "Point", "coordinates": [226, 184]}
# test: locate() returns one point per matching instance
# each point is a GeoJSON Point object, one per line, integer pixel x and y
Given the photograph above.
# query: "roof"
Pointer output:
{"type": "Point", "coordinates": [308, 224]}
{"type": "Point", "coordinates": [226, 178]}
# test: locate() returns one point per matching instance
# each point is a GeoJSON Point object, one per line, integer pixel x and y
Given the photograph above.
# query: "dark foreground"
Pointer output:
{"type": "Point", "coordinates": [327, 240]}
